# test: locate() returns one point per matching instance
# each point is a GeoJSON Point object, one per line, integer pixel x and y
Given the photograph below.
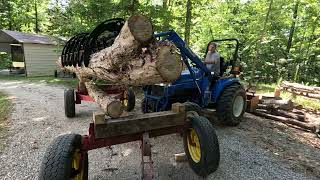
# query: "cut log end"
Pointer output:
{"type": "Point", "coordinates": [169, 64]}
{"type": "Point", "coordinates": [141, 28]}
{"type": "Point", "coordinates": [115, 109]}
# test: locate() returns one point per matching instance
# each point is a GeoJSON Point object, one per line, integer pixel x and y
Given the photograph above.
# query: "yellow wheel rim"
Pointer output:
{"type": "Point", "coordinates": [194, 145]}
{"type": "Point", "coordinates": [76, 165]}
{"type": "Point", "coordinates": [125, 99]}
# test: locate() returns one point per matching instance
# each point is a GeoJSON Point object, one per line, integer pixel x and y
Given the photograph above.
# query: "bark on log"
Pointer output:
{"type": "Point", "coordinates": [300, 87]}
{"type": "Point", "coordinates": [310, 127]}
{"type": "Point", "coordinates": [281, 104]}
{"type": "Point", "coordinates": [109, 104]}
{"type": "Point", "coordinates": [287, 114]}
{"type": "Point", "coordinates": [134, 58]}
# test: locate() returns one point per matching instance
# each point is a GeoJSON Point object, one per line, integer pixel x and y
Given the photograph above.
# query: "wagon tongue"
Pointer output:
{"type": "Point", "coordinates": [78, 49]}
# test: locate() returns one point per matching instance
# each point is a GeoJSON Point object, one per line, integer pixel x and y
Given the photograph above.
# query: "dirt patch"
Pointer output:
{"type": "Point", "coordinates": [295, 147]}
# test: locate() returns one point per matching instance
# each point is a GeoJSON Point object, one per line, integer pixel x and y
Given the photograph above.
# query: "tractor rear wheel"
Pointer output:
{"type": "Point", "coordinates": [69, 103]}
{"type": "Point", "coordinates": [64, 160]}
{"type": "Point", "coordinates": [201, 145]}
{"type": "Point", "coordinates": [231, 105]}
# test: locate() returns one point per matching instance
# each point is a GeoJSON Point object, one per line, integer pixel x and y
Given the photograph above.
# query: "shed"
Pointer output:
{"type": "Point", "coordinates": [36, 54]}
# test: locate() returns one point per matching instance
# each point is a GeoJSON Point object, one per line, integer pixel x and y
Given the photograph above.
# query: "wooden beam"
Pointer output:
{"type": "Point", "coordinates": [140, 123]}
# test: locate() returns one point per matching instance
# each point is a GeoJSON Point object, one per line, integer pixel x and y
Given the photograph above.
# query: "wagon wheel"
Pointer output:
{"type": "Point", "coordinates": [129, 99]}
{"type": "Point", "coordinates": [69, 103]}
{"type": "Point", "coordinates": [64, 160]}
{"type": "Point", "coordinates": [201, 145]}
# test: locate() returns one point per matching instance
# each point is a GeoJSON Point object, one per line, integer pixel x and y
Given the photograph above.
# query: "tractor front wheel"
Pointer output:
{"type": "Point", "coordinates": [231, 105]}
{"type": "Point", "coordinates": [201, 145]}
{"type": "Point", "coordinates": [64, 160]}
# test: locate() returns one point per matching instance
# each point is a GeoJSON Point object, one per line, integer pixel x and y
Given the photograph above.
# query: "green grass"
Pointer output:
{"type": "Point", "coordinates": [304, 101]}
{"type": "Point", "coordinates": [5, 107]}
{"type": "Point", "coordinates": [69, 82]}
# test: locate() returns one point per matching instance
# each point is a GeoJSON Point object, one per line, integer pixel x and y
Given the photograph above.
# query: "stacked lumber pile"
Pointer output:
{"type": "Point", "coordinates": [302, 90]}
{"type": "Point", "coordinates": [285, 111]}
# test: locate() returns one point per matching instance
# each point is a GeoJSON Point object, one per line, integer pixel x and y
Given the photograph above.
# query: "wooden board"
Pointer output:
{"type": "Point", "coordinates": [139, 123]}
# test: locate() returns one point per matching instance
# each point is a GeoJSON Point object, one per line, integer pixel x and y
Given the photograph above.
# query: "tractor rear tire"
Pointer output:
{"type": "Point", "coordinates": [201, 145]}
{"type": "Point", "coordinates": [69, 103]}
{"type": "Point", "coordinates": [130, 99]}
{"type": "Point", "coordinates": [64, 160]}
{"type": "Point", "coordinates": [231, 105]}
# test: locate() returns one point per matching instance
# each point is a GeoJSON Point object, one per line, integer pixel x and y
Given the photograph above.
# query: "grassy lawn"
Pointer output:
{"type": "Point", "coordinates": [69, 82]}
{"type": "Point", "coordinates": [304, 101]}
{"type": "Point", "coordinates": [5, 107]}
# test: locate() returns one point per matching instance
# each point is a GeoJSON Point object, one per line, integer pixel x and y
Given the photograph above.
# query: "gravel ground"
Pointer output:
{"type": "Point", "coordinates": [38, 117]}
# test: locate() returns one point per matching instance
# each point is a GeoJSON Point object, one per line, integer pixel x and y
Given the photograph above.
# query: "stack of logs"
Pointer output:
{"type": "Point", "coordinates": [301, 90]}
{"type": "Point", "coordinates": [285, 111]}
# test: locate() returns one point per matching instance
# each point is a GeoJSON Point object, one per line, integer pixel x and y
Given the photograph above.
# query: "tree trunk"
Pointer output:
{"type": "Point", "coordinates": [166, 20]}
{"type": "Point", "coordinates": [262, 33]}
{"type": "Point", "coordinates": [293, 24]}
{"type": "Point", "coordinates": [126, 62]}
{"type": "Point", "coordinates": [37, 30]}
{"type": "Point", "coordinates": [188, 22]}
{"type": "Point", "coordinates": [109, 104]}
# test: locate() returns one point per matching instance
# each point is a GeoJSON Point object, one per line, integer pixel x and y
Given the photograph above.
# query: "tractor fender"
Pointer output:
{"type": "Point", "coordinates": [220, 85]}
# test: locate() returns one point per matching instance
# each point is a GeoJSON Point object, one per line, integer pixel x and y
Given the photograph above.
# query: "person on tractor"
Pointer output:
{"type": "Point", "coordinates": [212, 59]}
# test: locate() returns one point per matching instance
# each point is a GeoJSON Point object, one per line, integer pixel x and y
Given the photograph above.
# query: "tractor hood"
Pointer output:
{"type": "Point", "coordinates": [186, 77]}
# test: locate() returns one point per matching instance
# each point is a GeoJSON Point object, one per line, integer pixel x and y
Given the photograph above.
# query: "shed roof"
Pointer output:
{"type": "Point", "coordinates": [8, 36]}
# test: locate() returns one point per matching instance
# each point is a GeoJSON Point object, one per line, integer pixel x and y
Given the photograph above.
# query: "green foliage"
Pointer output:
{"type": "Point", "coordinates": [5, 60]}
{"type": "Point", "coordinates": [243, 19]}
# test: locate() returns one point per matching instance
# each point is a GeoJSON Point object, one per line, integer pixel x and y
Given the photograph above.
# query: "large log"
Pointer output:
{"type": "Point", "coordinates": [281, 104]}
{"type": "Point", "coordinates": [109, 104]}
{"type": "Point", "coordinates": [135, 58]}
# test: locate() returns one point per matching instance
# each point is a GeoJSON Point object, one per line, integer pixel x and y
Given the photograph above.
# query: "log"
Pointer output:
{"type": "Point", "coordinates": [135, 58]}
{"type": "Point", "coordinates": [281, 104]}
{"type": "Point", "coordinates": [109, 104]}
{"type": "Point", "coordinates": [287, 114]}
{"type": "Point", "coordinates": [302, 90]}
{"type": "Point", "coordinates": [300, 87]}
{"type": "Point", "coordinates": [311, 127]}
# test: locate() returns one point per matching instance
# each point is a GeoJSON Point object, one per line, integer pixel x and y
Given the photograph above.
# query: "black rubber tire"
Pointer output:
{"type": "Point", "coordinates": [209, 146]}
{"type": "Point", "coordinates": [226, 102]}
{"type": "Point", "coordinates": [69, 103]}
{"type": "Point", "coordinates": [131, 100]}
{"type": "Point", "coordinates": [57, 160]}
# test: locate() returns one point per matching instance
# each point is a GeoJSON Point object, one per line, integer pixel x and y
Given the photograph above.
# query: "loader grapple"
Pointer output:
{"type": "Point", "coordinates": [79, 48]}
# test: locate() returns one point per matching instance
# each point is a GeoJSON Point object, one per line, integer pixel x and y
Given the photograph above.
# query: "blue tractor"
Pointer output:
{"type": "Point", "coordinates": [197, 84]}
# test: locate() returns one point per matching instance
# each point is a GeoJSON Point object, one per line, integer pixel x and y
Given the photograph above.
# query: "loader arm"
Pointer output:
{"type": "Point", "coordinates": [186, 54]}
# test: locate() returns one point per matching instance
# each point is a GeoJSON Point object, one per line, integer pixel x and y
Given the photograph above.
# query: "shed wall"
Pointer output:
{"type": "Point", "coordinates": [5, 47]}
{"type": "Point", "coordinates": [40, 59]}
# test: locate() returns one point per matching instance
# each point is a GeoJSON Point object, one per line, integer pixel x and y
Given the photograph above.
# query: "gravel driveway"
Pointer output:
{"type": "Point", "coordinates": [38, 117]}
